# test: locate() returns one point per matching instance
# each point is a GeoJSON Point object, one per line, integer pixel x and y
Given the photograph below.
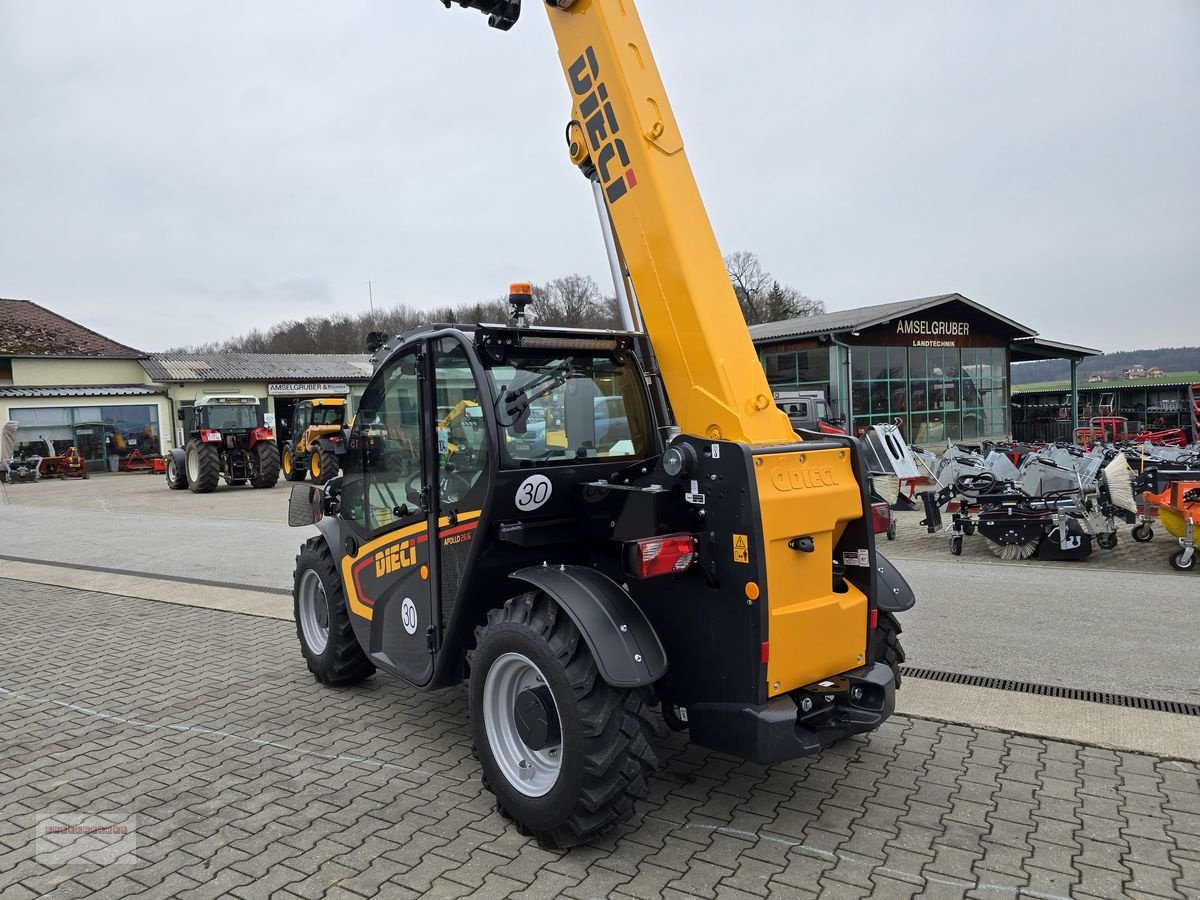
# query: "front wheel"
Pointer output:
{"type": "Point", "coordinates": [1142, 533]}
{"type": "Point", "coordinates": [323, 625]}
{"type": "Point", "coordinates": [1177, 562]}
{"type": "Point", "coordinates": [176, 474]}
{"type": "Point", "coordinates": [1107, 540]}
{"type": "Point", "coordinates": [887, 644]}
{"type": "Point", "coordinates": [565, 753]}
{"type": "Point", "coordinates": [956, 543]}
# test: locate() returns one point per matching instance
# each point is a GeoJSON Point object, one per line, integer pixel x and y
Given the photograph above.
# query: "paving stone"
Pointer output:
{"type": "Point", "coordinates": [245, 801]}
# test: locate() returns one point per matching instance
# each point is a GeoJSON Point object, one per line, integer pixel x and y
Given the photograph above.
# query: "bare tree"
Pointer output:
{"type": "Point", "coordinates": [761, 297]}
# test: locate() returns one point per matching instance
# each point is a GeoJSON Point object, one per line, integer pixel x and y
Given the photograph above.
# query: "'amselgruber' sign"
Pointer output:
{"type": "Point", "coordinates": [933, 333]}
{"type": "Point", "coordinates": [289, 390]}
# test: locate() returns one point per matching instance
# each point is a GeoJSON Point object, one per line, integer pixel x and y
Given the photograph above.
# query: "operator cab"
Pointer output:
{"type": "Point", "coordinates": [467, 431]}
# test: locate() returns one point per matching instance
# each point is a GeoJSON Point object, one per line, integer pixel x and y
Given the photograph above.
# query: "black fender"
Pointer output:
{"type": "Point", "coordinates": [625, 645]}
{"type": "Point", "coordinates": [179, 454]}
{"type": "Point", "coordinates": [894, 593]}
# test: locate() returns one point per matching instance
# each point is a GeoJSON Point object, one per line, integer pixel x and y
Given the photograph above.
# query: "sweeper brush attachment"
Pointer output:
{"type": "Point", "coordinates": [1120, 485]}
{"type": "Point", "coordinates": [1013, 552]}
{"type": "Point", "coordinates": [887, 487]}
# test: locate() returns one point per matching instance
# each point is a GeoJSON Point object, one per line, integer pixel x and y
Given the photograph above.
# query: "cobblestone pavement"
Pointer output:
{"type": "Point", "coordinates": [914, 542]}
{"type": "Point", "coordinates": [250, 780]}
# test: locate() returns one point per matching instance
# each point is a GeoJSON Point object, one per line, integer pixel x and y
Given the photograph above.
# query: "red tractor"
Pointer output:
{"type": "Point", "coordinates": [228, 439]}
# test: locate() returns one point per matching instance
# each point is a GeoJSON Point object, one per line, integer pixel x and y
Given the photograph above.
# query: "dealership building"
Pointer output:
{"type": "Point", "coordinates": [68, 386]}
{"type": "Point", "coordinates": [937, 367]}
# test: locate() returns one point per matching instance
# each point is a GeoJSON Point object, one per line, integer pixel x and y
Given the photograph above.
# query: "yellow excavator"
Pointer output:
{"type": "Point", "coordinates": [628, 534]}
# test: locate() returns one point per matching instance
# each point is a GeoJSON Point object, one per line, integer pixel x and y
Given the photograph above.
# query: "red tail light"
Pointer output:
{"type": "Point", "coordinates": [873, 619]}
{"type": "Point", "coordinates": [666, 555]}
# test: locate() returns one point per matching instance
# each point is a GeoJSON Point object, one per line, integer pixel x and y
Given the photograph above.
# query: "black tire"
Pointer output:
{"type": "Point", "coordinates": [1107, 541]}
{"type": "Point", "coordinates": [266, 454]}
{"type": "Point", "coordinates": [342, 660]}
{"type": "Point", "coordinates": [968, 528]}
{"type": "Point", "coordinates": [203, 467]}
{"type": "Point", "coordinates": [607, 757]}
{"type": "Point", "coordinates": [291, 471]}
{"type": "Point", "coordinates": [324, 464]}
{"type": "Point", "coordinates": [1177, 563]}
{"type": "Point", "coordinates": [888, 648]}
{"type": "Point", "coordinates": [956, 543]}
{"type": "Point", "coordinates": [891, 530]}
{"type": "Point", "coordinates": [176, 474]}
{"type": "Point", "coordinates": [1142, 533]}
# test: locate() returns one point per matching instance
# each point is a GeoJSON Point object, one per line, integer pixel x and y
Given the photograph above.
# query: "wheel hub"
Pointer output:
{"type": "Point", "coordinates": [536, 718]}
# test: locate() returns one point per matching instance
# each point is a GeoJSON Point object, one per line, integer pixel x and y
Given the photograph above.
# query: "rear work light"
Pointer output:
{"type": "Point", "coordinates": [668, 554]}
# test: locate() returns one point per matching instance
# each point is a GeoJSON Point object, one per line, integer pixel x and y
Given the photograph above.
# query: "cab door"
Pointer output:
{"type": "Point", "coordinates": [387, 503]}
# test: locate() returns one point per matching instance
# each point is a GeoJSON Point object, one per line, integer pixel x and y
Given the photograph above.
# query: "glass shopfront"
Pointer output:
{"type": "Point", "coordinates": [100, 433]}
{"type": "Point", "coordinates": [931, 394]}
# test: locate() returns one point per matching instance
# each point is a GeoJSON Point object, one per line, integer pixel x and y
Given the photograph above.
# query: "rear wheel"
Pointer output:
{"type": "Point", "coordinates": [565, 753]}
{"type": "Point", "coordinates": [887, 644]}
{"type": "Point", "coordinates": [203, 467]}
{"type": "Point", "coordinates": [324, 464]}
{"type": "Point", "coordinates": [327, 639]}
{"type": "Point", "coordinates": [291, 471]}
{"type": "Point", "coordinates": [266, 455]}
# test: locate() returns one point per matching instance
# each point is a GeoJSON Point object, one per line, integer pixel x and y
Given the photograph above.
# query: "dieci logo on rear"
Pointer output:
{"type": "Point", "coordinates": [600, 125]}
{"type": "Point", "coordinates": [396, 557]}
{"type": "Point", "coordinates": [799, 479]}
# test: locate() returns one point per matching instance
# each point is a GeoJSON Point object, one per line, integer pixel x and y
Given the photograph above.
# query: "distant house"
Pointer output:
{"type": "Point", "coordinates": [1134, 372]}
{"type": "Point", "coordinates": [1154, 372]}
{"type": "Point", "coordinates": [1092, 379]}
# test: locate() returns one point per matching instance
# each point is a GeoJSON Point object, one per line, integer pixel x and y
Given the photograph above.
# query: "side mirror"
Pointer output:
{"type": "Point", "coordinates": [304, 505]}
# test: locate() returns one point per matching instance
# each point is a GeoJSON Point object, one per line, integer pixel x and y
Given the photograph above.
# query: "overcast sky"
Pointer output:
{"type": "Point", "coordinates": [180, 172]}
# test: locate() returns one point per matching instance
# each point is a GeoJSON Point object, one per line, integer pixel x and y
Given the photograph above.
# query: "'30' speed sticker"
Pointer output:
{"type": "Point", "coordinates": [533, 492]}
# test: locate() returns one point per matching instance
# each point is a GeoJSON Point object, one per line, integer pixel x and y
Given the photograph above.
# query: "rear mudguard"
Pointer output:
{"type": "Point", "coordinates": [894, 593]}
{"type": "Point", "coordinates": [180, 456]}
{"type": "Point", "coordinates": [626, 647]}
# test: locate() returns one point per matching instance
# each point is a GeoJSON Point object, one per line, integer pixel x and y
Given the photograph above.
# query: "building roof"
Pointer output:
{"type": "Point", "coordinates": [1026, 349]}
{"type": "Point", "coordinates": [865, 317]}
{"type": "Point", "coordinates": [164, 367]}
{"type": "Point", "coordinates": [27, 329]}
{"type": "Point", "coordinates": [1173, 379]}
{"type": "Point", "coordinates": [106, 390]}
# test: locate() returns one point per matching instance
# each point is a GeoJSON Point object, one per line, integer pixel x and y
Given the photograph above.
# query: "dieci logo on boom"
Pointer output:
{"type": "Point", "coordinates": [395, 557]}
{"type": "Point", "coordinates": [600, 126]}
{"type": "Point", "coordinates": [799, 479]}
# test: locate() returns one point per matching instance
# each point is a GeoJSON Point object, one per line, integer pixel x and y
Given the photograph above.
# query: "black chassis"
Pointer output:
{"type": "Point", "coordinates": [693, 636]}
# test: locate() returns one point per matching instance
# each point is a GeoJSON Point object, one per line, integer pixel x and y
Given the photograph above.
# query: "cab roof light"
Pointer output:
{"type": "Point", "coordinates": [669, 554]}
{"type": "Point", "coordinates": [538, 342]}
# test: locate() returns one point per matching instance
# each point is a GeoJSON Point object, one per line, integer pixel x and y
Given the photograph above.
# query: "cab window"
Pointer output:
{"type": "Point", "coordinates": [566, 408]}
{"type": "Point", "coordinates": [383, 483]}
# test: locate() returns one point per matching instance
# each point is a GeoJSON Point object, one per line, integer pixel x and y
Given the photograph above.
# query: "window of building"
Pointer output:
{"type": "Point", "coordinates": [6, 376]}
{"type": "Point", "coordinates": [99, 433]}
{"type": "Point", "coordinates": [933, 394]}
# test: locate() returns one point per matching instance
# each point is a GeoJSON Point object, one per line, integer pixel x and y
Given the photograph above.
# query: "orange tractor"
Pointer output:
{"type": "Point", "coordinates": [318, 443]}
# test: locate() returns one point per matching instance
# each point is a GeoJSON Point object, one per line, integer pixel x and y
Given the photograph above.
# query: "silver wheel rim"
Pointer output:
{"type": "Point", "coordinates": [532, 772]}
{"type": "Point", "coordinates": [314, 612]}
{"type": "Point", "coordinates": [193, 464]}
{"type": "Point", "coordinates": [172, 475]}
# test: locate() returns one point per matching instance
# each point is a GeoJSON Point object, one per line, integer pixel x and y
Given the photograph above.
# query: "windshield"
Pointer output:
{"type": "Point", "coordinates": [230, 418]}
{"type": "Point", "coordinates": [568, 408]}
{"type": "Point", "coordinates": [327, 415]}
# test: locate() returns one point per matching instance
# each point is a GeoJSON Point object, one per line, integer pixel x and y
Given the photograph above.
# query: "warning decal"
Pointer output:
{"type": "Point", "coordinates": [741, 549]}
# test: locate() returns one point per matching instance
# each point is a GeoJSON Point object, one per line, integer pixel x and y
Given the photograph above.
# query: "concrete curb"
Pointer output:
{"type": "Point", "coordinates": [1111, 727]}
{"type": "Point", "coordinates": [250, 603]}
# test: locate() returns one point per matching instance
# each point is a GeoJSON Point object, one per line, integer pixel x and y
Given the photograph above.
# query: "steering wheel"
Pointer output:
{"type": "Point", "coordinates": [453, 487]}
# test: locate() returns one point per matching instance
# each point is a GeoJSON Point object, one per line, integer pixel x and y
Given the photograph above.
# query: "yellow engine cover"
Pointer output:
{"type": "Point", "coordinates": [814, 633]}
